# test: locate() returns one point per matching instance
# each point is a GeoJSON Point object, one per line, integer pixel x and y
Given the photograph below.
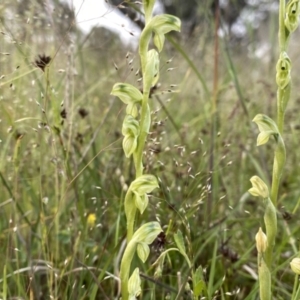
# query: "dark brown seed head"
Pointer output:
{"type": "Point", "coordinates": [42, 61]}
{"type": "Point", "coordinates": [83, 112]}
{"type": "Point", "coordinates": [63, 113]}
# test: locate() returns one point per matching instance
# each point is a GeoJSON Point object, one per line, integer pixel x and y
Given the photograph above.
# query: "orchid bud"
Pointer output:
{"type": "Point", "coordinates": [261, 241]}
{"type": "Point", "coordinates": [267, 128]}
{"type": "Point", "coordinates": [129, 94]}
{"type": "Point", "coordinates": [259, 188]}
{"type": "Point", "coordinates": [144, 184]}
{"type": "Point", "coordinates": [140, 187]}
{"type": "Point", "coordinates": [129, 145]}
{"type": "Point", "coordinates": [161, 25]}
{"type": "Point", "coordinates": [283, 70]}
{"type": "Point", "coordinates": [292, 13]}
{"type": "Point", "coordinates": [130, 130]}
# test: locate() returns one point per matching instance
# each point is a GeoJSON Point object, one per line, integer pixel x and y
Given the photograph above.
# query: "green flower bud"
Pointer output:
{"type": "Point", "coordinates": [292, 13]}
{"type": "Point", "coordinates": [129, 94]}
{"type": "Point", "coordinates": [144, 184]}
{"type": "Point", "coordinates": [130, 130]}
{"type": "Point", "coordinates": [130, 126]}
{"type": "Point", "coordinates": [161, 25]}
{"type": "Point", "coordinates": [283, 70]}
{"type": "Point", "coordinates": [134, 284]}
{"type": "Point", "coordinates": [295, 265]}
{"type": "Point", "coordinates": [261, 241]}
{"type": "Point", "coordinates": [267, 128]}
{"type": "Point", "coordinates": [265, 123]}
{"type": "Point", "coordinates": [140, 187]}
{"type": "Point", "coordinates": [259, 188]}
{"type": "Point", "coordinates": [129, 145]}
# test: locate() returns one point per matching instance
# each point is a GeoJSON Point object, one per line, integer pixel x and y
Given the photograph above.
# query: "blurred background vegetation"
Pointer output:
{"type": "Point", "coordinates": [63, 172]}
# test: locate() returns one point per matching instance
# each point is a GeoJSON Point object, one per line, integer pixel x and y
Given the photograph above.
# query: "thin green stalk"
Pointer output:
{"type": "Point", "coordinates": [296, 289]}
{"type": "Point", "coordinates": [283, 96]}
{"type": "Point", "coordinates": [281, 33]}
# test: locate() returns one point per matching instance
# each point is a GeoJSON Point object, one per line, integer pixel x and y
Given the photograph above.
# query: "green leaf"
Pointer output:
{"type": "Point", "coordinates": [199, 288]}
{"type": "Point", "coordinates": [198, 275]}
{"type": "Point", "coordinates": [198, 282]}
{"type": "Point", "coordinates": [178, 237]}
